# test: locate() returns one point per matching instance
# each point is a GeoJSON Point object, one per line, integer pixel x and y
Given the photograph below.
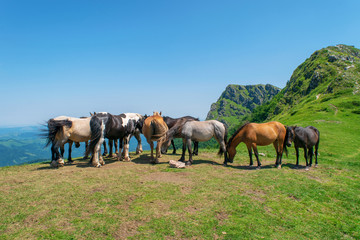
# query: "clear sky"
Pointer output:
{"type": "Point", "coordinates": [70, 57]}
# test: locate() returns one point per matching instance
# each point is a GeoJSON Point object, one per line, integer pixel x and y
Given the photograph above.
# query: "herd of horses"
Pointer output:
{"type": "Point", "coordinates": [120, 128]}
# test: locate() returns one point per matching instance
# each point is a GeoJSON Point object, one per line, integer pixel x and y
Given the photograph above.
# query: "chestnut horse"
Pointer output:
{"type": "Point", "coordinates": [154, 129]}
{"type": "Point", "coordinates": [259, 134]}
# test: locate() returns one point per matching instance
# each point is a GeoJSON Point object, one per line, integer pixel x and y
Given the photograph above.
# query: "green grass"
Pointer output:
{"type": "Point", "coordinates": [137, 200]}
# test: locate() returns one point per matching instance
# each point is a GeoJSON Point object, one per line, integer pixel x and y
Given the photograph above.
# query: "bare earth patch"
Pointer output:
{"type": "Point", "coordinates": [170, 177]}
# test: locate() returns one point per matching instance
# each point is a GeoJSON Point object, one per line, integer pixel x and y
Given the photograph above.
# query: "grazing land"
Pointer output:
{"type": "Point", "coordinates": [138, 200]}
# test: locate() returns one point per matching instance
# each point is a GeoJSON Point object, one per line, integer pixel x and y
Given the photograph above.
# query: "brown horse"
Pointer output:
{"type": "Point", "coordinates": [154, 129]}
{"type": "Point", "coordinates": [262, 134]}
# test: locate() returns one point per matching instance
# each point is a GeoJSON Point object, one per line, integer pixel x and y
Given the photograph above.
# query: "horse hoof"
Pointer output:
{"type": "Point", "coordinates": [53, 164]}
{"type": "Point", "coordinates": [127, 159]}
{"type": "Point", "coordinates": [188, 163]}
{"type": "Point", "coordinates": [279, 167]}
{"type": "Point", "coordinates": [315, 165]}
{"type": "Point", "coordinates": [258, 168]}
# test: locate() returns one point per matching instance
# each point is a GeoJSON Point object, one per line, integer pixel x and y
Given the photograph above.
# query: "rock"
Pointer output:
{"type": "Point", "coordinates": [176, 164]}
{"type": "Point", "coordinates": [262, 154]}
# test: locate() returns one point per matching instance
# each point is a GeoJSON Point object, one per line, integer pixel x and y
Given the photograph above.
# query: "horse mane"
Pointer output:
{"type": "Point", "coordinates": [237, 131]}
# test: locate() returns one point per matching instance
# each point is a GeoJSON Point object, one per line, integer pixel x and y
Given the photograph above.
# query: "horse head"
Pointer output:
{"type": "Point", "coordinates": [290, 135]}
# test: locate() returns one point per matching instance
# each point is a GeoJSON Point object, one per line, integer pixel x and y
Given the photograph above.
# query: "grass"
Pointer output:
{"type": "Point", "coordinates": [138, 200]}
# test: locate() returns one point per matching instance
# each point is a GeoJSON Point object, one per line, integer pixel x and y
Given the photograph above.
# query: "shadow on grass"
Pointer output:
{"type": "Point", "coordinates": [144, 158]}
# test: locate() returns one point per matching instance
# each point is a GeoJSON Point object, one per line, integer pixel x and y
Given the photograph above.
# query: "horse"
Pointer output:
{"type": "Point", "coordinates": [171, 122]}
{"type": "Point", "coordinates": [64, 129]}
{"type": "Point", "coordinates": [305, 138]}
{"type": "Point", "coordinates": [199, 131]}
{"type": "Point", "coordinates": [258, 134]}
{"type": "Point", "coordinates": [155, 129]}
{"type": "Point", "coordinates": [122, 127]}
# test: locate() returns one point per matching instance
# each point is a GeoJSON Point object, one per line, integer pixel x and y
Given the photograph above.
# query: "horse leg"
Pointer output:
{"type": "Point", "coordinates": [316, 153]}
{"type": "Point", "coordinates": [250, 155]}
{"type": "Point", "coordinates": [311, 154]}
{"type": "Point", "coordinates": [174, 148]}
{"type": "Point", "coordinates": [70, 149]}
{"type": "Point", "coordinates": [105, 149]}
{"type": "Point", "coordinates": [196, 148]}
{"type": "Point", "coordinates": [121, 142]}
{"type": "Point", "coordinates": [182, 159]}
{"type": "Point", "coordinates": [54, 155]}
{"type": "Point", "coordinates": [297, 156]}
{"type": "Point", "coordinates": [158, 151]}
{"type": "Point", "coordinates": [152, 152]}
{"type": "Point", "coordinates": [96, 154]}
{"type": "Point", "coordinates": [188, 144]}
{"type": "Point", "coordinates": [86, 146]}
{"type": "Point", "coordinates": [111, 148]}
{"type": "Point", "coordinates": [256, 155]}
{"type": "Point", "coordinates": [278, 154]}
{"type": "Point", "coordinates": [306, 158]}
{"type": "Point", "coordinates": [139, 146]}
{"type": "Point", "coordinates": [126, 148]}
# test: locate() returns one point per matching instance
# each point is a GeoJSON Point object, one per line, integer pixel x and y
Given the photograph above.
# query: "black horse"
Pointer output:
{"type": "Point", "coordinates": [171, 122]}
{"type": "Point", "coordinates": [122, 127]}
{"type": "Point", "coordinates": [305, 138]}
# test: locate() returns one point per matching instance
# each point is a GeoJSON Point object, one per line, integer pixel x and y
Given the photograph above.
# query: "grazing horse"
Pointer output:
{"type": "Point", "coordinates": [258, 134]}
{"type": "Point", "coordinates": [305, 138]}
{"type": "Point", "coordinates": [199, 131]}
{"type": "Point", "coordinates": [64, 129]}
{"type": "Point", "coordinates": [122, 127]}
{"type": "Point", "coordinates": [155, 129]}
{"type": "Point", "coordinates": [171, 122]}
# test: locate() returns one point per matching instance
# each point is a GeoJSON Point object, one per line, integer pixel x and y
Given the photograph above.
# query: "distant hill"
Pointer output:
{"type": "Point", "coordinates": [238, 101]}
{"type": "Point", "coordinates": [328, 74]}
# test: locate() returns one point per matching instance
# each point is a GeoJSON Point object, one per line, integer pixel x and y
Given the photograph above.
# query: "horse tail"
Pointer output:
{"type": "Point", "coordinates": [54, 127]}
{"type": "Point", "coordinates": [97, 135]}
{"type": "Point", "coordinates": [158, 130]}
{"type": "Point", "coordinates": [318, 141]}
{"type": "Point", "coordinates": [225, 141]}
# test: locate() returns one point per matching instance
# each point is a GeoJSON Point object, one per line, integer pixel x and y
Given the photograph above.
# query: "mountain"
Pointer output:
{"type": "Point", "coordinates": [237, 101]}
{"type": "Point", "coordinates": [329, 73]}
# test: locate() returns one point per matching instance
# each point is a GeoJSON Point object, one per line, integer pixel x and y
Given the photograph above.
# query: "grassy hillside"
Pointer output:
{"type": "Point", "coordinates": [332, 72]}
{"type": "Point", "coordinates": [238, 101]}
{"type": "Point", "coordinates": [205, 201]}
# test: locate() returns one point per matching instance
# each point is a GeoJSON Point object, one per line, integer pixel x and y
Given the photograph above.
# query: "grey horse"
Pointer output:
{"type": "Point", "coordinates": [199, 131]}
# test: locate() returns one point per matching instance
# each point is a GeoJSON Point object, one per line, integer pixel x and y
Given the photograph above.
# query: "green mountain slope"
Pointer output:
{"type": "Point", "coordinates": [238, 101]}
{"type": "Point", "coordinates": [329, 73]}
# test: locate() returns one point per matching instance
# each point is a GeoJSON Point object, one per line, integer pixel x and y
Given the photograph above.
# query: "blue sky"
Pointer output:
{"type": "Point", "coordinates": [61, 57]}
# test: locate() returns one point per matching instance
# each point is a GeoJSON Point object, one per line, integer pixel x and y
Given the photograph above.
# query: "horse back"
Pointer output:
{"type": "Point", "coordinates": [265, 133]}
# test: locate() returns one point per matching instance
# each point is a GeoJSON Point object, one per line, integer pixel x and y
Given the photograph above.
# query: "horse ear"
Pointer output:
{"type": "Point", "coordinates": [91, 114]}
{"type": "Point", "coordinates": [160, 113]}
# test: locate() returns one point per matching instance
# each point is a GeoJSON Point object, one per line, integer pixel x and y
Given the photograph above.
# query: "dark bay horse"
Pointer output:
{"type": "Point", "coordinates": [106, 125]}
{"type": "Point", "coordinates": [171, 122]}
{"type": "Point", "coordinates": [305, 138]}
{"type": "Point", "coordinates": [199, 131]}
{"type": "Point", "coordinates": [258, 134]}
